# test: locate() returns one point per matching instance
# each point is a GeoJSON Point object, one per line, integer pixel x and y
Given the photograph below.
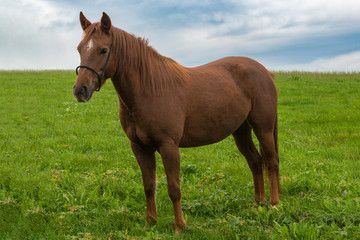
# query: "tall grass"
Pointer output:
{"type": "Point", "coordinates": [67, 171]}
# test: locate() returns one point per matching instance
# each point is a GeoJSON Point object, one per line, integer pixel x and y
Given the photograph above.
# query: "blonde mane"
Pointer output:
{"type": "Point", "coordinates": [157, 72]}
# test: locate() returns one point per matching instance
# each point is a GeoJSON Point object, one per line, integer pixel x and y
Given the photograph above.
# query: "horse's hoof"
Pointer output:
{"type": "Point", "coordinates": [261, 202]}
{"type": "Point", "coordinates": [180, 227]}
{"type": "Point", "coordinates": [151, 219]}
{"type": "Point", "coordinates": [274, 202]}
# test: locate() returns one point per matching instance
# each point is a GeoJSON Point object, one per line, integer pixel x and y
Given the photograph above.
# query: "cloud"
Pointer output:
{"type": "Point", "coordinates": [343, 63]}
{"type": "Point", "coordinates": [37, 35]}
{"type": "Point", "coordinates": [41, 34]}
{"type": "Point", "coordinates": [252, 28]}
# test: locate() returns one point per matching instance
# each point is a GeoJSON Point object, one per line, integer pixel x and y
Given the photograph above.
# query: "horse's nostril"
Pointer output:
{"type": "Point", "coordinates": [83, 90]}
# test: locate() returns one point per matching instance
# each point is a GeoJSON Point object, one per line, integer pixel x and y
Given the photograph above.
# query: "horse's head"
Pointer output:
{"type": "Point", "coordinates": [97, 62]}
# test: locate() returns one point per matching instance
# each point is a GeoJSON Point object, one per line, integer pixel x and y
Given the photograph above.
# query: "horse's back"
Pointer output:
{"type": "Point", "coordinates": [249, 76]}
{"type": "Point", "coordinates": [240, 68]}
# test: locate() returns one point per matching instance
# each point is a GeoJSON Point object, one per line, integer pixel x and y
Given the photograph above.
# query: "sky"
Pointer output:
{"type": "Point", "coordinates": [302, 35]}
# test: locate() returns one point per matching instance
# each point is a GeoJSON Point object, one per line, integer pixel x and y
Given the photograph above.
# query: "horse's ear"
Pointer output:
{"type": "Point", "coordinates": [105, 23]}
{"type": "Point", "coordinates": [84, 22]}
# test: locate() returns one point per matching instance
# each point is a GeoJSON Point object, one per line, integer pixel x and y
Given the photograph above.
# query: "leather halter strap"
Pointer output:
{"type": "Point", "coordinates": [100, 77]}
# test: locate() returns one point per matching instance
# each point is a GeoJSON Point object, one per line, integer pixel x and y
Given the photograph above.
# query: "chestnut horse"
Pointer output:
{"type": "Point", "coordinates": [164, 106]}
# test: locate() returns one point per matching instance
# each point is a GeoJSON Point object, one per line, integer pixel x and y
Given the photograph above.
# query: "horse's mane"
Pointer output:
{"type": "Point", "coordinates": [156, 71]}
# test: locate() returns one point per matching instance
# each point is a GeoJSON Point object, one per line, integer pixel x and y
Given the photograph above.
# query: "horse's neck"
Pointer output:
{"type": "Point", "coordinates": [126, 89]}
{"type": "Point", "coordinates": [142, 71]}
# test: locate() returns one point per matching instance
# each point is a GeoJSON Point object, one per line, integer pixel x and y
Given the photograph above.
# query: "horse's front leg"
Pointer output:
{"type": "Point", "coordinates": [146, 160]}
{"type": "Point", "coordinates": [169, 152]}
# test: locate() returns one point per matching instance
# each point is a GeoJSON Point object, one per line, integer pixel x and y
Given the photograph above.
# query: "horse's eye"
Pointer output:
{"type": "Point", "coordinates": [103, 51]}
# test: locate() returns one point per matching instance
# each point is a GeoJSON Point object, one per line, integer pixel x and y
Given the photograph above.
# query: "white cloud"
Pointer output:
{"type": "Point", "coordinates": [37, 35]}
{"type": "Point", "coordinates": [252, 27]}
{"type": "Point", "coordinates": [41, 34]}
{"type": "Point", "coordinates": [343, 63]}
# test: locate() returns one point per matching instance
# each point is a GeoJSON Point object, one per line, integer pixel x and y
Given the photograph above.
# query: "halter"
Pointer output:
{"type": "Point", "coordinates": [91, 69]}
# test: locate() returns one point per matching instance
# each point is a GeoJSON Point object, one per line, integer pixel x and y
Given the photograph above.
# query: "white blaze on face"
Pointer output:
{"type": "Point", "coordinates": [89, 45]}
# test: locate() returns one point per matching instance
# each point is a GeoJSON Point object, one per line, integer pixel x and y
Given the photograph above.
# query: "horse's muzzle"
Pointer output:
{"type": "Point", "coordinates": [82, 93]}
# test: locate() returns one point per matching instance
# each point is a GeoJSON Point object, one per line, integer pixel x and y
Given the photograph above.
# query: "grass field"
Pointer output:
{"type": "Point", "coordinates": [67, 170]}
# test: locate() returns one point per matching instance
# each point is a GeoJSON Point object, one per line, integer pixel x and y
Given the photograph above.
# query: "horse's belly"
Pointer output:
{"type": "Point", "coordinates": [203, 129]}
{"type": "Point", "coordinates": [201, 139]}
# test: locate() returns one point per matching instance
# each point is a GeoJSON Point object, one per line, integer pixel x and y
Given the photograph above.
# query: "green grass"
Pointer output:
{"type": "Point", "coordinates": [67, 171]}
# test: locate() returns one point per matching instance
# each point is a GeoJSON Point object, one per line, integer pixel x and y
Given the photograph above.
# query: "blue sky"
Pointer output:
{"type": "Point", "coordinates": [305, 35]}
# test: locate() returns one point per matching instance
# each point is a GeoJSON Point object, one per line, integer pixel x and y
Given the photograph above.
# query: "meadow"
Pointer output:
{"type": "Point", "coordinates": [67, 170]}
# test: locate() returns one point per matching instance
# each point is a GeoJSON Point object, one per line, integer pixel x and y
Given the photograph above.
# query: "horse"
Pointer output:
{"type": "Point", "coordinates": [165, 106]}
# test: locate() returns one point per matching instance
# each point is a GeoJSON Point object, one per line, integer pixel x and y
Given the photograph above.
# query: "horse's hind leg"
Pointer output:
{"type": "Point", "coordinates": [271, 160]}
{"type": "Point", "coordinates": [146, 160]}
{"type": "Point", "coordinates": [245, 144]}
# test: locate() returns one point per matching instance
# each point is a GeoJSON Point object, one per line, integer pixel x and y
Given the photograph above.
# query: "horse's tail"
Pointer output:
{"type": "Point", "coordinates": [266, 163]}
{"type": "Point", "coordinates": [276, 139]}
{"type": "Point", "coordinates": [277, 148]}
